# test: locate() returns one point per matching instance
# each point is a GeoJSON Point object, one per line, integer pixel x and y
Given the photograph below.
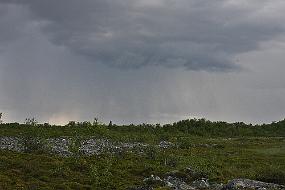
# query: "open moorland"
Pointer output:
{"type": "Point", "coordinates": [189, 154]}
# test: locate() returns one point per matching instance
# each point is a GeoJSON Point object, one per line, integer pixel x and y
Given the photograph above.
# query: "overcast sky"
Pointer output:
{"type": "Point", "coordinates": [133, 61]}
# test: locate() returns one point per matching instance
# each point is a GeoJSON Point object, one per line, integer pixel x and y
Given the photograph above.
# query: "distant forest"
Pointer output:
{"type": "Point", "coordinates": [193, 127]}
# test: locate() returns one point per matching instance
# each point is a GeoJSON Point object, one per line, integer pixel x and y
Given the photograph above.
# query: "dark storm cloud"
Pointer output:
{"type": "Point", "coordinates": [197, 35]}
{"type": "Point", "coordinates": [59, 60]}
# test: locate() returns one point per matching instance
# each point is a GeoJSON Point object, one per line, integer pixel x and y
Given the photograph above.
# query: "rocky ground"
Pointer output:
{"type": "Point", "coordinates": [190, 179]}
{"type": "Point", "coordinates": [66, 146]}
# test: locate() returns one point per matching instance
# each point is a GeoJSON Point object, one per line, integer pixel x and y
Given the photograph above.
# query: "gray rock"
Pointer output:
{"type": "Point", "coordinates": [238, 184]}
{"type": "Point", "coordinates": [64, 146]}
{"type": "Point", "coordinates": [154, 181]}
{"type": "Point", "coordinates": [216, 186]}
{"type": "Point", "coordinates": [152, 178]}
{"type": "Point", "coordinates": [177, 184]}
{"type": "Point", "coordinates": [95, 146]}
{"type": "Point", "coordinates": [12, 143]}
{"type": "Point", "coordinates": [165, 144]}
{"type": "Point", "coordinates": [98, 146]}
{"type": "Point", "coordinates": [59, 146]}
{"type": "Point", "coordinates": [201, 184]}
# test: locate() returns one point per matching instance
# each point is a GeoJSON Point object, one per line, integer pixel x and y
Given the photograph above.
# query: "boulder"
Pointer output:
{"type": "Point", "coordinates": [201, 184]}
{"type": "Point", "coordinates": [165, 144]}
{"type": "Point", "coordinates": [177, 184]}
{"type": "Point", "coordinates": [244, 184]}
{"type": "Point", "coordinates": [154, 181]}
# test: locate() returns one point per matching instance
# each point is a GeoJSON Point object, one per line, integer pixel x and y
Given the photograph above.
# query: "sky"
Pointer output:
{"type": "Point", "coordinates": [143, 61]}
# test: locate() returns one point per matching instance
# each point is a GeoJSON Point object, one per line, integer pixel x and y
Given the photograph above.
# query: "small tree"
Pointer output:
{"type": "Point", "coordinates": [86, 124]}
{"type": "Point", "coordinates": [31, 121]}
{"type": "Point", "coordinates": [95, 121]}
{"type": "Point", "coordinates": [71, 124]}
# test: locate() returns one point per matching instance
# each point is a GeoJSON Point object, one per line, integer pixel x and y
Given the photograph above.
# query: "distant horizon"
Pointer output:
{"type": "Point", "coordinates": [138, 123]}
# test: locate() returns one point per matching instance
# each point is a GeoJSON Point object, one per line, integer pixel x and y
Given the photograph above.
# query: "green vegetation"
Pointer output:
{"type": "Point", "coordinates": [220, 150]}
{"type": "Point", "coordinates": [145, 132]}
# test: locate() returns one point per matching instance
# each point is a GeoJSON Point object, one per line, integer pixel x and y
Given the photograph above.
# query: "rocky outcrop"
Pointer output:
{"type": "Point", "coordinates": [246, 184]}
{"type": "Point", "coordinates": [98, 146]}
{"type": "Point", "coordinates": [12, 143]}
{"type": "Point", "coordinates": [166, 144]}
{"type": "Point", "coordinates": [154, 181]}
{"type": "Point", "coordinates": [95, 146]}
{"type": "Point", "coordinates": [189, 179]}
{"type": "Point", "coordinates": [201, 184]}
{"type": "Point", "coordinates": [59, 146]}
{"type": "Point", "coordinates": [177, 184]}
{"type": "Point", "coordinates": [67, 146]}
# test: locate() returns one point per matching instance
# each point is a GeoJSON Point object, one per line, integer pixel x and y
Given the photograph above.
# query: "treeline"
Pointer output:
{"type": "Point", "coordinates": [195, 127]}
{"type": "Point", "coordinates": [203, 127]}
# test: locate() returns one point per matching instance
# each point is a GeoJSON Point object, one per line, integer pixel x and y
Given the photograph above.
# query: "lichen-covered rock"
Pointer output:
{"type": "Point", "coordinates": [133, 147]}
{"type": "Point", "coordinates": [182, 180]}
{"type": "Point", "coordinates": [154, 181]}
{"type": "Point", "coordinates": [67, 146]}
{"type": "Point", "coordinates": [95, 146]}
{"type": "Point", "coordinates": [201, 184]}
{"type": "Point", "coordinates": [59, 146]}
{"type": "Point", "coordinates": [244, 184]}
{"type": "Point", "coordinates": [165, 144]}
{"type": "Point", "coordinates": [12, 143]}
{"type": "Point", "coordinates": [177, 184]}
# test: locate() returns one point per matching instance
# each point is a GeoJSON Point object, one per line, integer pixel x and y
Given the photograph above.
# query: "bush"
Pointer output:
{"type": "Point", "coordinates": [151, 152]}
